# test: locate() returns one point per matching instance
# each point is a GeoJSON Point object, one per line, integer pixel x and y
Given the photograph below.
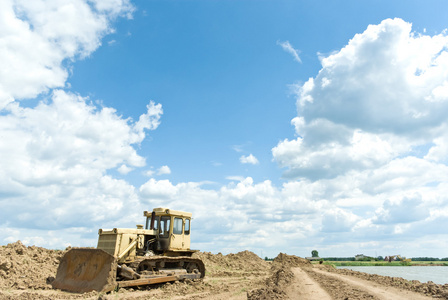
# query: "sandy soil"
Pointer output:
{"type": "Point", "coordinates": [26, 273]}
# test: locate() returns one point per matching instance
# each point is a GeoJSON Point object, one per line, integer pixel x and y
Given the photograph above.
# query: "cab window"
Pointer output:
{"type": "Point", "coordinates": [165, 225]}
{"type": "Point", "coordinates": [187, 226]}
{"type": "Point", "coordinates": [156, 223]}
{"type": "Point", "coordinates": [177, 226]}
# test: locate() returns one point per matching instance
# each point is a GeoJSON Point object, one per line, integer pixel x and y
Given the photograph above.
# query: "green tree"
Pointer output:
{"type": "Point", "coordinates": [314, 253]}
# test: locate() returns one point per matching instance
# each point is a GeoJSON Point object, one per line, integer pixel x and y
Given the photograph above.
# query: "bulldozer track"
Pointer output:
{"type": "Point", "coordinates": [164, 263]}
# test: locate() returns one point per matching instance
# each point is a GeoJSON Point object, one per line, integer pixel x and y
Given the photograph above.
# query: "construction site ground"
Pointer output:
{"type": "Point", "coordinates": [26, 273]}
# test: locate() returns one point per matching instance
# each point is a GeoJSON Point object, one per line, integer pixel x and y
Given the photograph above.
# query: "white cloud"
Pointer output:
{"type": "Point", "coordinates": [311, 213]}
{"type": "Point", "coordinates": [290, 49]}
{"type": "Point", "coordinates": [68, 133]}
{"type": "Point", "coordinates": [371, 137]}
{"type": "Point", "coordinates": [158, 189]}
{"type": "Point", "coordinates": [56, 161]}
{"type": "Point", "coordinates": [54, 167]}
{"type": "Point", "coordinates": [385, 79]}
{"type": "Point", "coordinates": [236, 211]}
{"type": "Point", "coordinates": [235, 178]}
{"type": "Point", "coordinates": [378, 98]}
{"type": "Point", "coordinates": [124, 169]}
{"type": "Point", "coordinates": [406, 211]}
{"type": "Point", "coordinates": [338, 220]}
{"type": "Point", "coordinates": [249, 159]}
{"type": "Point", "coordinates": [38, 38]}
{"type": "Point", "coordinates": [149, 173]}
{"type": "Point", "coordinates": [114, 7]}
{"type": "Point", "coordinates": [238, 148]}
{"type": "Point", "coordinates": [164, 170]}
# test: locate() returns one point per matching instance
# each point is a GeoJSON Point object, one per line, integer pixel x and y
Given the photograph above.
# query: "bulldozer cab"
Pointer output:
{"type": "Point", "coordinates": [172, 228]}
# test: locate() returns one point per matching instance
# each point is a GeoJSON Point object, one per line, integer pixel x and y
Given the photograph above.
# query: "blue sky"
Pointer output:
{"type": "Point", "coordinates": [281, 125]}
{"type": "Point", "coordinates": [219, 63]}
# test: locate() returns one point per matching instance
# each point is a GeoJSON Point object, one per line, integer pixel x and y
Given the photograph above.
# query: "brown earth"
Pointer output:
{"type": "Point", "coordinates": [25, 273]}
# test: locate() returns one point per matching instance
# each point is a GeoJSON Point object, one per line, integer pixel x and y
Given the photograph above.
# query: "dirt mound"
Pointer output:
{"type": "Point", "coordinates": [275, 286]}
{"type": "Point", "coordinates": [24, 267]}
{"type": "Point", "coordinates": [291, 260]}
{"type": "Point", "coordinates": [228, 265]}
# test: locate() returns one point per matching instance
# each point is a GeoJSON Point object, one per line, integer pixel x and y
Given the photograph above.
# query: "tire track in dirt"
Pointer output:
{"type": "Point", "coordinates": [337, 288]}
{"type": "Point", "coordinates": [304, 287]}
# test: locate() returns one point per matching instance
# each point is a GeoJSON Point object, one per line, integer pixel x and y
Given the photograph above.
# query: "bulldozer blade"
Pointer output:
{"type": "Point", "coordinates": [85, 270]}
{"type": "Point", "coordinates": [147, 281]}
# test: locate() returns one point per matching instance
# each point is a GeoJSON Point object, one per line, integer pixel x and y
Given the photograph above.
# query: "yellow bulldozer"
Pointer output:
{"type": "Point", "coordinates": [159, 252]}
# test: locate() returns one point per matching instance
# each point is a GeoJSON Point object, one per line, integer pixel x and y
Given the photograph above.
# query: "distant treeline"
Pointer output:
{"type": "Point", "coordinates": [429, 259]}
{"type": "Point", "coordinates": [379, 258]}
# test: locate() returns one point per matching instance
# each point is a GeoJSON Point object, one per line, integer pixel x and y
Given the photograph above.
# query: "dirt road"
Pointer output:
{"type": "Point", "coordinates": [362, 289]}
{"type": "Point", "coordinates": [304, 287]}
{"type": "Point", "coordinates": [295, 278]}
{"type": "Point", "coordinates": [310, 283]}
{"type": "Point", "coordinates": [25, 273]}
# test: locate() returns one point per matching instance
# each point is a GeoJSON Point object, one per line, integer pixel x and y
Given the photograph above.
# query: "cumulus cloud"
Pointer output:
{"type": "Point", "coordinates": [148, 121]}
{"type": "Point", "coordinates": [290, 49]}
{"type": "Point", "coordinates": [386, 79]}
{"type": "Point", "coordinates": [408, 210]}
{"type": "Point", "coordinates": [39, 38]}
{"type": "Point", "coordinates": [69, 132]}
{"type": "Point", "coordinates": [236, 211]}
{"type": "Point", "coordinates": [54, 166]}
{"type": "Point", "coordinates": [235, 178]}
{"type": "Point", "coordinates": [164, 170]}
{"type": "Point", "coordinates": [371, 134]}
{"type": "Point", "coordinates": [124, 169]}
{"type": "Point", "coordinates": [57, 157]}
{"type": "Point", "coordinates": [338, 220]}
{"type": "Point", "coordinates": [312, 213]}
{"type": "Point", "coordinates": [163, 189]}
{"type": "Point", "coordinates": [378, 98]}
{"type": "Point", "coordinates": [249, 159]}
{"type": "Point", "coordinates": [148, 173]}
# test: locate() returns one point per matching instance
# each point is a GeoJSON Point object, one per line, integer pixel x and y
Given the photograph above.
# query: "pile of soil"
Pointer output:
{"type": "Point", "coordinates": [240, 264]}
{"type": "Point", "coordinates": [24, 267]}
{"type": "Point", "coordinates": [280, 279]}
{"type": "Point", "coordinates": [27, 272]}
{"type": "Point", "coordinates": [275, 285]}
{"type": "Point", "coordinates": [291, 260]}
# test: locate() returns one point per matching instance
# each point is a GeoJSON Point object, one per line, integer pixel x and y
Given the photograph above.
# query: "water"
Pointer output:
{"type": "Point", "coordinates": [423, 274]}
